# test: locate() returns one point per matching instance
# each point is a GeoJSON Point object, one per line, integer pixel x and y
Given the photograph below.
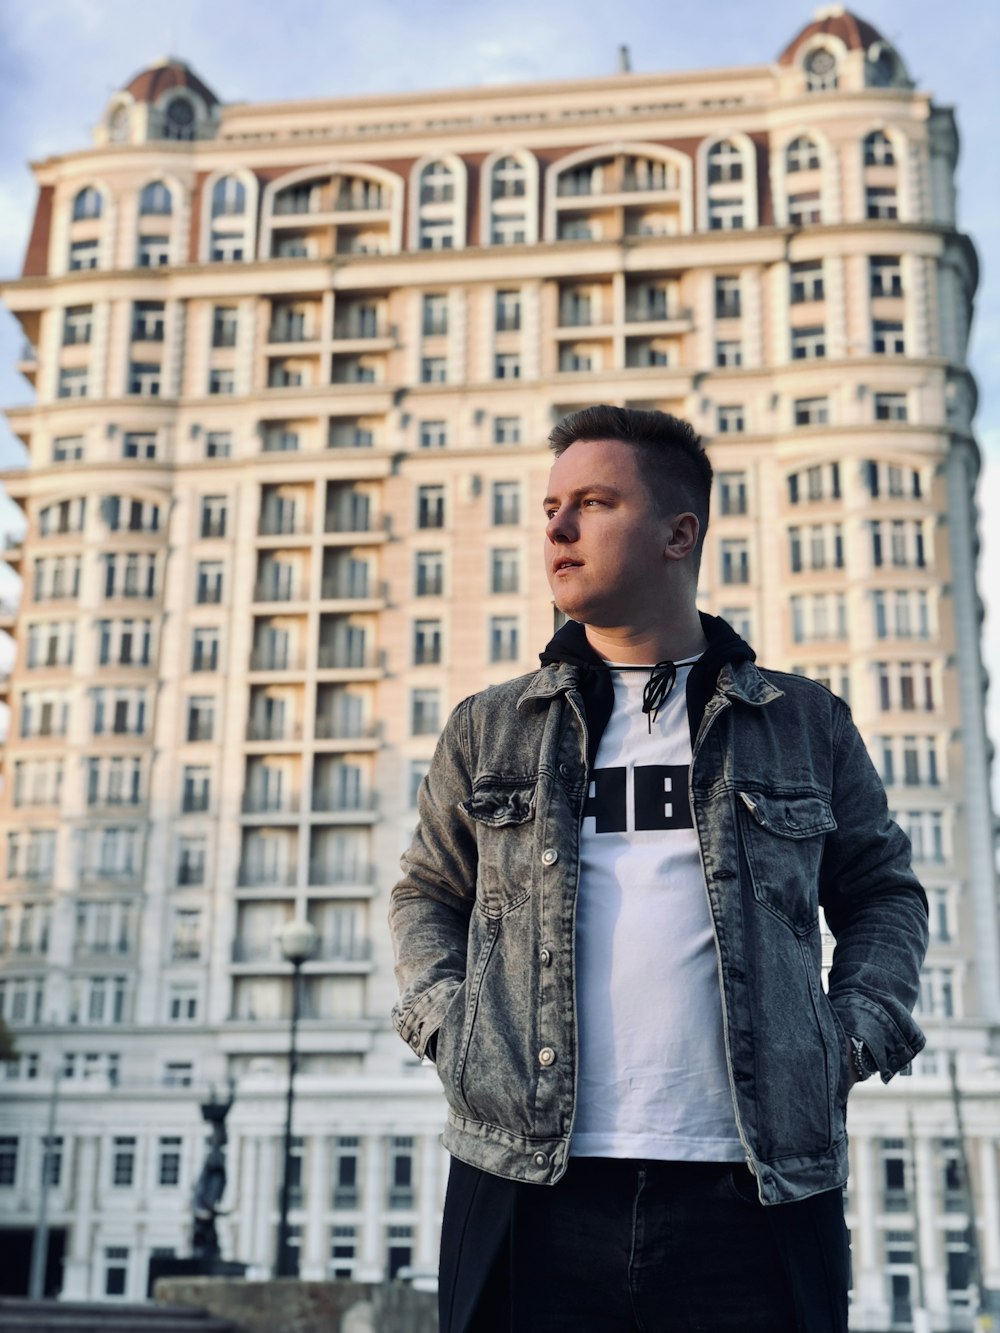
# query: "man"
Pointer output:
{"type": "Point", "coordinates": [607, 940]}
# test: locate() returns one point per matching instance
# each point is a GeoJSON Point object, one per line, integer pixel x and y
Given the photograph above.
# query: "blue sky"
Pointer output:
{"type": "Point", "coordinates": [60, 61]}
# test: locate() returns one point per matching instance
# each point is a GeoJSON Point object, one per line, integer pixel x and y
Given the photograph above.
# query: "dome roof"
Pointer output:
{"type": "Point", "coordinates": [855, 33]}
{"type": "Point", "coordinates": [162, 75]}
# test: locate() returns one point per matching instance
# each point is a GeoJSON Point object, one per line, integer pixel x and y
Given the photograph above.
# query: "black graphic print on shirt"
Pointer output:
{"type": "Point", "coordinates": [660, 794]}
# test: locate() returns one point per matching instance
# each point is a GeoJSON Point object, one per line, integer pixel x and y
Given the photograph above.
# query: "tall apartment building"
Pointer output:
{"type": "Point", "coordinates": [295, 364]}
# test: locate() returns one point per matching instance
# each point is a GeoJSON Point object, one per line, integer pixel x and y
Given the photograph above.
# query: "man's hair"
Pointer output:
{"type": "Point", "coordinates": [671, 457]}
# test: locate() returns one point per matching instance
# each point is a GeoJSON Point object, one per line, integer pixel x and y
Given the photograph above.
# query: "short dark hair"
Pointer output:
{"type": "Point", "coordinates": [671, 457]}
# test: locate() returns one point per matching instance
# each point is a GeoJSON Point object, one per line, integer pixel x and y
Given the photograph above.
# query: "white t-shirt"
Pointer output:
{"type": "Point", "coordinates": [653, 1080]}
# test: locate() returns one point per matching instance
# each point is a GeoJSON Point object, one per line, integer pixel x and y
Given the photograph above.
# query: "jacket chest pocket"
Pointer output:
{"type": "Point", "coordinates": [504, 815]}
{"type": "Point", "coordinates": [784, 836]}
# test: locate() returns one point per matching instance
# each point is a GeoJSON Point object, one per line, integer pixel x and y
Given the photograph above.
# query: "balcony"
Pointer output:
{"type": "Point", "coordinates": [276, 659]}
{"type": "Point", "coordinates": [254, 876]}
{"type": "Point", "coordinates": [339, 658]}
{"type": "Point", "coordinates": [268, 952]}
{"type": "Point", "coordinates": [343, 588]}
{"type": "Point", "coordinates": [26, 951]}
{"type": "Point", "coordinates": [340, 803]}
{"type": "Point", "coordinates": [280, 590]}
{"type": "Point", "coordinates": [323, 874]}
{"type": "Point", "coordinates": [195, 803]}
{"type": "Point", "coordinates": [336, 521]}
{"type": "Point", "coordinates": [344, 729]}
{"type": "Point", "coordinates": [263, 729]}
{"type": "Point", "coordinates": [262, 803]}
{"type": "Point", "coordinates": [283, 525]}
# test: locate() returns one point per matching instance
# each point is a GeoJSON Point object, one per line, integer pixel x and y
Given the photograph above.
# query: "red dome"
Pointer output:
{"type": "Point", "coordinates": [162, 75]}
{"type": "Point", "coordinates": [855, 33]}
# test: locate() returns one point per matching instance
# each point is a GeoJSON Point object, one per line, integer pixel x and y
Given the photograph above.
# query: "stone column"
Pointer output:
{"type": "Point", "coordinates": [935, 1293]}
{"type": "Point", "coordinates": [426, 1248]}
{"type": "Point", "coordinates": [869, 1296]}
{"type": "Point", "coordinates": [314, 1249]}
{"type": "Point", "coordinates": [989, 1204]}
{"type": "Point", "coordinates": [371, 1257]}
{"type": "Point", "coordinates": [79, 1257]}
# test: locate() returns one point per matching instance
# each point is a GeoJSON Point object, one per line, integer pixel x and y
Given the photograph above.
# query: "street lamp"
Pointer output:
{"type": "Point", "coordinates": [298, 940]}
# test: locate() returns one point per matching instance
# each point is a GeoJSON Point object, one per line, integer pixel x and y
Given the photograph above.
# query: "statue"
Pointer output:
{"type": "Point", "coordinates": [212, 1182]}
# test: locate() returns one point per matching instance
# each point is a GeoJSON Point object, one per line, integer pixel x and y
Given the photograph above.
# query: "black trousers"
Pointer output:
{"type": "Point", "coordinates": [639, 1247]}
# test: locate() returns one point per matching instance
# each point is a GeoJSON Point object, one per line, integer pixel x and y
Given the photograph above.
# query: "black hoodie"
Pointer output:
{"type": "Point", "coordinates": [570, 645]}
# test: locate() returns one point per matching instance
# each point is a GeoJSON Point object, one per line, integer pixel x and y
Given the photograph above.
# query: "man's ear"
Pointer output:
{"type": "Point", "coordinates": [683, 536]}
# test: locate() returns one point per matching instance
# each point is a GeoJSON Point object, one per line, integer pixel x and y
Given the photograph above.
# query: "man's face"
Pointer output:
{"type": "Point", "coordinates": [604, 539]}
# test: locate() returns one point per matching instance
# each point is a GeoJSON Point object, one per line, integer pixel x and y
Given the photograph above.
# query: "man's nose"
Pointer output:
{"type": "Point", "coordinates": [560, 527]}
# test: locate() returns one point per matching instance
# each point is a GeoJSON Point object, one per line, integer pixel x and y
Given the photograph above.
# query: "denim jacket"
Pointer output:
{"type": "Point", "coordinates": [790, 816]}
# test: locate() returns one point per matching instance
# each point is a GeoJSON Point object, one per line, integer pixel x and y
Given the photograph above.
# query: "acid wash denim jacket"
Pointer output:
{"type": "Point", "coordinates": [790, 817]}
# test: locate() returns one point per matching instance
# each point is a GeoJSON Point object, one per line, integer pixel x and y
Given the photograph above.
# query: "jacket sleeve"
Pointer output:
{"type": "Point", "coordinates": [876, 910]}
{"type": "Point", "coordinates": [430, 907]}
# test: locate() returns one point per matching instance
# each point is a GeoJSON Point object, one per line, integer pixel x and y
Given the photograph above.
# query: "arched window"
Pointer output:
{"type": "Point", "coordinates": [179, 119]}
{"type": "Point", "coordinates": [802, 154]}
{"type": "Point", "coordinates": [821, 70]}
{"type": "Point", "coordinates": [155, 200]}
{"type": "Point", "coordinates": [878, 150]}
{"type": "Point", "coordinates": [725, 162]}
{"type": "Point", "coordinates": [509, 180]}
{"type": "Point", "coordinates": [87, 204]}
{"type": "Point", "coordinates": [229, 198]}
{"type": "Point", "coordinates": [437, 184]}
{"type": "Point", "coordinates": [118, 126]}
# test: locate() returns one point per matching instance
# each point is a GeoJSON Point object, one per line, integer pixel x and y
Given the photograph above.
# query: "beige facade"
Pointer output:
{"type": "Point", "coordinates": [295, 364]}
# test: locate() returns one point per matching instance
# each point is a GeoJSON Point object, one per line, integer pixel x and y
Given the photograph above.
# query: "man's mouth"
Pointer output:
{"type": "Point", "coordinates": [565, 563]}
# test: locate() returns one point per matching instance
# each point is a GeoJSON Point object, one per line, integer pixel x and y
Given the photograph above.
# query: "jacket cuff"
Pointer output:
{"type": "Point", "coordinates": [891, 1049]}
{"type": "Point", "coordinates": [417, 1024]}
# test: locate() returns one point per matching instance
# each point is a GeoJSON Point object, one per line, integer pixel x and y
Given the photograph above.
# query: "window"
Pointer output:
{"type": "Point", "coordinates": [185, 941]}
{"type": "Point", "coordinates": [503, 638]}
{"type": "Point", "coordinates": [729, 419]}
{"type": "Point", "coordinates": [201, 718]}
{"type": "Point", "coordinates": [807, 282]}
{"type": "Point", "coordinates": [890, 407]}
{"type": "Point", "coordinates": [433, 434]}
{"type": "Point", "coordinates": [437, 235]}
{"type": "Point", "coordinates": [430, 506]}
{"type": "Point", "coordinates": [509, 179]}
{"type": "Point", "coordinates": [8, 1161]}
{"type": "Point", "coordinates": [506, 430]}
{"type": "Point", "coordinates": [880, 201]}
{"type": "Point", "coordinates": [229, 198]}
{"type": "Point", "coordinates": [878, 151]}
{"type": "Point", "coordinates": [802, 154]}
{"type": "Point", "coordinates": [727, 297]}
{"type": "Point", "coordinates": [435, 314]}
{"type": "Point", "coordinates": [87, 204]}
{"type": "Point", "coordinates": [401, 1159]}
{"type": "Point", "coordinates": [728, 353]}
{"type": "Point", "coordinates": [426, 642]}
{"type": "Point", "coordinates": [507, 314]}
{"type": "Point", "coordinates": [213, 516]}
{"type": "Point", "coordinates": [225, 325]}
{"type": "Point", "coordinates": [885, 275]}
{"type": "Point", "coordinates": [153, 251]}
{"type": "Point", "coordinates": [82, 255]}
{"type": "Point", "coordinates": [221, 381]}
{"type": "Point", "coordinates": [122, 1162]}
{"type": "Point", "coordinates": [425, 712]}
{"type": "Point", "coordinates": [139, 444]}
{"type": "Point", "coordinates": [576, 359]}
{"type": "Point", "coordinates": [77, 324]}
{"type": "Point", "coordinates": [346, 1161]}
{"type": "Point", "coordinates": [343, 1251]}
{"type": "Point", "coordinates": [208, 587]}
{"type": "Point", "coordinates": [804, 209]}
{"type": "Point", "coordinates": [732, 492]}
{"type": "Point", "coordinates": [725, 214]}
{"type": "Point", "coordinates": [433, 370]}
{"type": "Point", "coordinates": [735, 562]}
{"type": "Point", "coordinates": [808, 344]}
{"type": "Point", "coordinates": [67, 449]}
{"type": "Point", "coordinates": [155, 200]}
{"type": "Point", "coordinates": [506, 503]}
{"type": "Point", "coordinates": [507, 366]}
{"type": "Point", "coordinates": [505, 570]}
{"type": "Point", "coordinates": [178, 1074]}
{"type": "Point", "coordinates": [437, 184]}
{"type": "Point", "coordinates": [147, 321]}
{"type": "Point", "coordinates": [72, 382]}
{"type": "Point", "coordinates": [725, 163]}
{"type": "Point", "coordinates": [191, 861]}
{"type": "Point", "coordinates": [821, 70]}
{"type": "Point", "coordinates": [218, 444]}
{"type": "Point", "coordinates": [429, 574]}
{"type": "Point", "coordinates": [887, 338]}
{"type": "Point", "coordinates": [812, 411]}
{"type": "Point", "coordinates": [419, 769]}
{"type": "Point", "coordinates": [205, 649]}
{"type": "Point", "coordinates": [144, 379]}
{"type": "Point", "coordinates": [168, 1170]}
{"type": "Point", "coordinates": [115, 1270]}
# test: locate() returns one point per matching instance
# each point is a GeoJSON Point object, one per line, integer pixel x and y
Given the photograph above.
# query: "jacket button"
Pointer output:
{"type": "Point", "coordinates": [545, 957]}
{"type": "Point", "coordinates": [540, 1159]}
{"type": "Point", "coordinates": [550, 856]}
{"type": "Point", "coordinates": [546, 1057]}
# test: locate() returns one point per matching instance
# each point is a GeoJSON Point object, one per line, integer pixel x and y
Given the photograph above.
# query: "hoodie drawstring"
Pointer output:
{"type": "Point", "coordinates": [657, 690]}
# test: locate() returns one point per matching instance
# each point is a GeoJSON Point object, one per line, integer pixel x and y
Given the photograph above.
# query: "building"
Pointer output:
{"type": "Point", "coordinates": [295, 364]}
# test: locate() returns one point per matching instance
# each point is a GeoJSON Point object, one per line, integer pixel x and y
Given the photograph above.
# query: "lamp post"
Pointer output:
{"type": "Point", "coordinates": [298, 940]}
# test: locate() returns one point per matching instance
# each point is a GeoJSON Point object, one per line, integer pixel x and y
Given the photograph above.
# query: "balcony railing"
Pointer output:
{"type": "Point", "coordinates": [195, 802]}
{"type": "Point", "coordinates": [343, 729]}
{"type": "Point", "coordinates": [263, 730]}
{"type": "Point", "coordinates": [349, 328]}
{"type": "Point", "coordinates": [270, 659]}
{"type": "Point", "coordinates": [655, 312]}
{"type": "Point", "coordinates": [337, 658]}
{"type": "Point", "coordinates": [252, 876]}
{"type": "Point", "coordinates": [282, 525]}
{"type": "Point", "coordinates": [323, 872]}
{"type": "Point", "coordinates": [329, 951]}
{"type": "Point", "coordinates": [342, 587]}
{"type": "Point", "coordinates": [274, 590]}
{"type": "Point", "coordinates": [339, 803]}
{"type": "Point", "coordinates": [260, 803]}
{"type": "Point", "coordinates": [335, 521]}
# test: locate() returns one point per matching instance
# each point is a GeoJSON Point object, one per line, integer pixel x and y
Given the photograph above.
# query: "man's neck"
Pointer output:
{"type": "Point", "coordinates": [642, 645]}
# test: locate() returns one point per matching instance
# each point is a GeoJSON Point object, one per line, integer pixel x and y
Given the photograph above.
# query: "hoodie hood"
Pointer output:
{"type": "Point", "coordinates": [570, 646]}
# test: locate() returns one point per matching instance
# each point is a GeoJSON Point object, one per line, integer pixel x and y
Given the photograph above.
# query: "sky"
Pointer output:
{"type": "Point", "coordinates": [61, 60]}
